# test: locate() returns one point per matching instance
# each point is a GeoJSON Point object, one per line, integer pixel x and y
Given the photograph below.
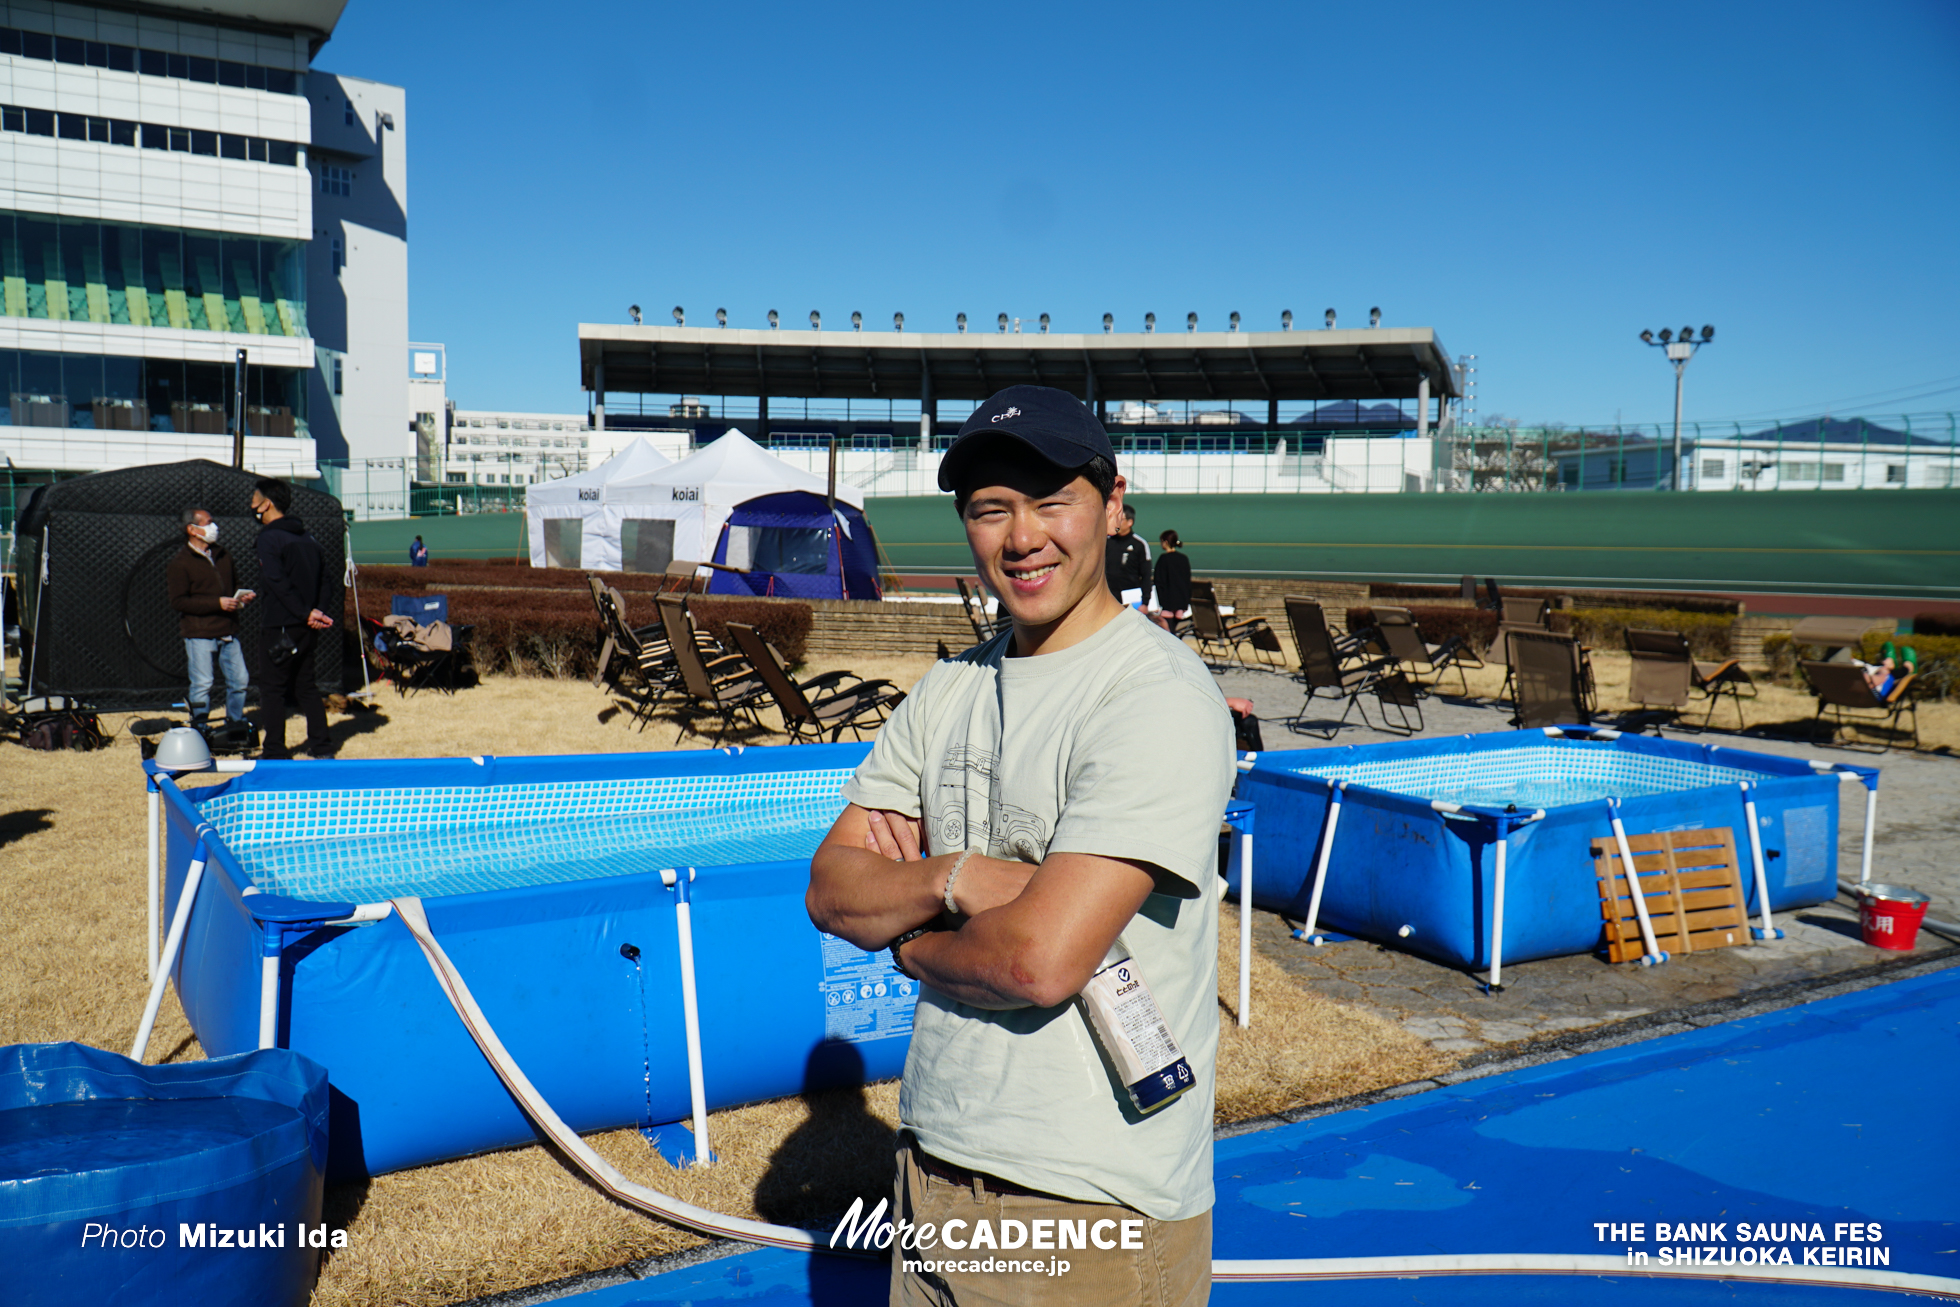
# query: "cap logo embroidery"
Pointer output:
{"type": "Point", "coordinates": [1011, 412]}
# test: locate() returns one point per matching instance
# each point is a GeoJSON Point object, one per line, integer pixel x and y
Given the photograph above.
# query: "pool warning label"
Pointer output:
{"type": "Point", "coordinates": [864, 996]}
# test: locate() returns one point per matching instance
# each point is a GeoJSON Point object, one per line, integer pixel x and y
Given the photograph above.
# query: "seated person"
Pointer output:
{"type": "Point", "coordinates": [1883, 675]}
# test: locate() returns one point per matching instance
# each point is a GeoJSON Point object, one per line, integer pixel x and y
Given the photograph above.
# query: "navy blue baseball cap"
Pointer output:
{"type": "Point", "coordinates": [1053, 423]}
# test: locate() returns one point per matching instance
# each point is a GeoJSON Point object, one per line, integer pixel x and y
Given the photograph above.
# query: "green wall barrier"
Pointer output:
{"type": "Point", "coordinates": [1881, 543]}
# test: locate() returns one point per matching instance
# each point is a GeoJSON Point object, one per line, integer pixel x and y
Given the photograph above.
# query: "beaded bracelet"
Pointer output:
{"type": "Point", "coordinates": [953, 875]}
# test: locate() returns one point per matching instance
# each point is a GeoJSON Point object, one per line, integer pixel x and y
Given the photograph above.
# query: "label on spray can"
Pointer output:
{"type": "Point", "coordinates": [1133, 1033]}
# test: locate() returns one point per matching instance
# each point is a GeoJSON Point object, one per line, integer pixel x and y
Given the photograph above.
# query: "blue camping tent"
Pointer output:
{"type": "Point", "coordinates": [790, 545]}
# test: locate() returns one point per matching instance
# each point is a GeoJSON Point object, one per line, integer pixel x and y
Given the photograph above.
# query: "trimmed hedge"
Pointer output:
{"type": "Point", "coordinates": [1935, 624]}
{"type": "Point", "coordinates": [1400, 593]}
{"type": "Point", "coordinates": [475, 573]}
{"type": "Point", "coordinates": [1605, 628]}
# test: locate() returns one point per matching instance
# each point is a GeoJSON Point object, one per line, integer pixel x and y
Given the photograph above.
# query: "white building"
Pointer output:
{"type": "Point", "coordinates": [177, 186]}
{"type": "Point", "coordinates": [515, 449]}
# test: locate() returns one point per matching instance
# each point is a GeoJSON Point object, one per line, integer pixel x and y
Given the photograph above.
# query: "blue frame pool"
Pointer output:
{"type": "Point", "coordinates": [1405, 867]}
{"type": "Point", "coordinates": [541, 878]}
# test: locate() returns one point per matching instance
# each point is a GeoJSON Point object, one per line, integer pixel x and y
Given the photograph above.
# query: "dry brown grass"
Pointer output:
{"type": "Point", "coordinates": [72, 964]}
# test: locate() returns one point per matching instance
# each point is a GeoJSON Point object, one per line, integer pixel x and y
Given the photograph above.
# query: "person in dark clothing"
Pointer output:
{"type": "Point", "coordinates": [1173, 583]}
{"type": "Point", "coordinates": [203, 587]}
{"type": "Point", "coordinates": [1126, 564]}
{"type": "Point", "coordinates": [292, 569]}
{"type": "Point", "coordinates": [418, 554]}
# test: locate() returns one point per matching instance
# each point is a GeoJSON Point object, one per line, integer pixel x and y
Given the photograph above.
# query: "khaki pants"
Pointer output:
{"type": "Point", "coordinates": [1172, 1268]}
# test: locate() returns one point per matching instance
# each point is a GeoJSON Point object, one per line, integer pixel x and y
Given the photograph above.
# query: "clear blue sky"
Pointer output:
{"type": "Point", "coordinates": [1536, 182]}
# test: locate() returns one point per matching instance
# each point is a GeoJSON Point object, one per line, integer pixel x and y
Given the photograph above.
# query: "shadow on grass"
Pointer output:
{"type": "Point", "coordinates": [19, 824]}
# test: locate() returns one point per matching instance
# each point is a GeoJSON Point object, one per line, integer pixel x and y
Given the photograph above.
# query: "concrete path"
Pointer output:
{"type": "Point", "coordinates": [1917, 843]}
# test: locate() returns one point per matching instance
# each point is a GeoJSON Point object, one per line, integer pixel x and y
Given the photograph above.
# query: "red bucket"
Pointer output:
{"type": "Point", "coordinates": [1890, 916]}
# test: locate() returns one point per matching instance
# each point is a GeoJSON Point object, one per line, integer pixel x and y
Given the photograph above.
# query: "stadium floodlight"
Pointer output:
{"type": "Point", "coordinates": [962, 321]}
{"type": "Point", "coordinates": [816, 320]}
{"type": "Point", "coordinates": [633, 312]}
{"type": "Point", "coordinates": [1286, 320]}
{"type": "Point", "coordinates": [1235, 319]}
{"type": "Point", "coordinates": [857, 320]}
{"type": "Point", "coordinates": [1150, 322]}
{"type": "Point", "coordinates": [1374, 317]}
{"type": "Point", "coordinates": [1190, 322]}
{"type": "Point", "coordinates": [1001, 323]}
{"type": "Point", "coordinates": [1330, 319]}
{"type": "Point", "coordinates": [1109, 323]}
{"type": "Point", "coordinates": [774, 320]}
{"type": "Point", "coordinates": [1044, 324]}
{"type": "Point", "coordinates": [680, 316]}
{"type": "Point", "coordinates": [721, 317]}
{"type": "Point", "coordinates": [898, 322]}
{"type": "Point", "coordinates": [1678, 352]}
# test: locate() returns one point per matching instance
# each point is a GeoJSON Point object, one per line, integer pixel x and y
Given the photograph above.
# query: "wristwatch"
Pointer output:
{"type": "Point", "coordinates": [899, 943]}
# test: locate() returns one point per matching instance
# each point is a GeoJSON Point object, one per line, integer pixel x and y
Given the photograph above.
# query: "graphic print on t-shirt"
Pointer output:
{"type": "Point", "coordinates": [1011, 832]}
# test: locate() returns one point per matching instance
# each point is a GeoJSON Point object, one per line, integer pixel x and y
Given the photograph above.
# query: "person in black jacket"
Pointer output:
{"type": "Point", "coordinates": [1126, 563]}
{"type": "Point", "coordinates": [292, 572]}
{"type": "Point", "coordinates": [1173, 583]}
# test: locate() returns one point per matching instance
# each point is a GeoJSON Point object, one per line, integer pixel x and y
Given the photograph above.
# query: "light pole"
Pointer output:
{"type": "Point", "coordinates": [1679, 351]}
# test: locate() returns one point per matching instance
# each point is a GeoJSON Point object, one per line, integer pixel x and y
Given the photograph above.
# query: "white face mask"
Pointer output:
{"type": "Point", "coordinates": [210, 532]}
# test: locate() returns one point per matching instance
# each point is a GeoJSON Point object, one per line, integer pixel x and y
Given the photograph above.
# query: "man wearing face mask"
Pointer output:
{"type": "Point", "coordinates": [203, 588]}
{"type": "Point", "coordinates": [293, 571]}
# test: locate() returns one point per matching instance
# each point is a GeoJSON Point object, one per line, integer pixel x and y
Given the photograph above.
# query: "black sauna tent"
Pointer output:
{"type": "Point", "coordinates": [90, 555]}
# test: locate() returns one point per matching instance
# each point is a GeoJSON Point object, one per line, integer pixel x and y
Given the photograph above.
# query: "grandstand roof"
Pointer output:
{"type": "Point", "coordinates": [1367, 364]}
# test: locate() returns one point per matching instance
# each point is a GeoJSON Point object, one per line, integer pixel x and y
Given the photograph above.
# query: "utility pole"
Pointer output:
{"type": "Point", "coordinates": [1678, 351]}
{"type": "Point", "coordinates": [238, 413]}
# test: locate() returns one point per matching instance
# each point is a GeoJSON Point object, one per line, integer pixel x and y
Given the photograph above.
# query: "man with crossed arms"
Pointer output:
{"type": "Point", "coordinates": [1035, 800]}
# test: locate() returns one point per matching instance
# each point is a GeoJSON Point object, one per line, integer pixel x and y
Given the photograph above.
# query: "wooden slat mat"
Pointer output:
{"type": "Point", "coordinates": [1692, 885]}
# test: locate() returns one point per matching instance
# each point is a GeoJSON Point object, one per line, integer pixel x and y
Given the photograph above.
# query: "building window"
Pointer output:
{"type": "Point", "coordinates": [455, 476]}
{"type": "Point", "coordinates": [335, 180]}
{"type": "Point", "coordinates": [1895, 474]}
{"type": "Point", "coordinates": [347, 114]}
{"type": "Point", "coordinates": [1713, 469]}
{"type": "Point", "coordinates": [338, 253]}
{"type": "Point", "coordinates": [150, 63]}
{"type": "Point", "coordinates": [336, 374]}
{"type": "Point", "coordinates": [153, 136]}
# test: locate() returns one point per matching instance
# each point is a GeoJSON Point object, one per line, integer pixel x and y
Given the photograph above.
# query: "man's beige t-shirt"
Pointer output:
{"type": "Point", "coordinates": [1119, 746]}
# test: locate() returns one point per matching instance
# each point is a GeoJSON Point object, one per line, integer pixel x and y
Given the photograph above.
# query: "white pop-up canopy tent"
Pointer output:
{"type": "Point", "coordinates": [567, 516]}
{"type": "Point", "coordinates": [678, 511]}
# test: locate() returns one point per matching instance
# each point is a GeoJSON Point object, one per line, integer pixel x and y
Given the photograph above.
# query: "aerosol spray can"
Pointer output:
{"type": "Point", "coordinates": [1133, 1033]}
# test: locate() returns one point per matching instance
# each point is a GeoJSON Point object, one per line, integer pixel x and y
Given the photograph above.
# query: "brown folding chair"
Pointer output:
{"type": "Point", "coordinates": [679, 576]}
{"type": "Point", "coordinates": [1550, 681]}
{"type": "Point", "coordinates": [1843, 692]}
{"type": "Point", "coordinates": [1518, 615]}
{"type": "Point", "coordinates": [1665, 670]}
{"type": "Point", "coordinates": [1322, 667]}
{"type": "Point", "coordinates": [853, 703]}
{"type": "Point", "coordinates": [1308, 622]}
{"type": "Point", "coordinates": [1214, 633]}
{"type": "Point", "coordinates": [1402, 639]}
{"type": "Point", "coordinates": [985, 628]}
{"type": "Point", "coordinates": [719, 689]}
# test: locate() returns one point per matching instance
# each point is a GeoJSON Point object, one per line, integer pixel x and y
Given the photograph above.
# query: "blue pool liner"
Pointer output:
{"type": "Point", "coordinates": [1826, 1112]}
{"type": "Point", "coordinates": [92, 1142]}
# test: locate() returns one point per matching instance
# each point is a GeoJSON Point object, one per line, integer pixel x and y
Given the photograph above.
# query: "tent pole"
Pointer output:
{"type": "Point", "coordinates": [360, 636]}
{"type": "Point", "coordinates": [40, 606]}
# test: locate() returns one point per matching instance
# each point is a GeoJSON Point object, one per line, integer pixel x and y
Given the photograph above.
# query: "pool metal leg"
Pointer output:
{"type": "Point", "coordinates": [1320, 864]}
{"type": "Point", "coordinates": [673, 879]}
{"type": "Point", "coordinates": [1653, 955]}
{"type": "Point", "coordinates": [1497, 913]}
{"type": "Point", "coordinates": [156, 867]}
{"type": "Point", "coordinates": [1766, 931]}
{"type": "Point", "coordinates": [275, 939]}
{"type": "Point", "coordinates": [1245, 926]}
{"type": "Point", "coordinates": [1871, 822]}
{"type": "Point", "coordinates": [193, 877]}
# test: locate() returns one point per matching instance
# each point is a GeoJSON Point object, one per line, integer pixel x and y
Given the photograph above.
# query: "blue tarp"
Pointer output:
{"type": "Point", "coordinates": [800, 550]}
{"type": "Point", "coordinates": [116, 1179]}
{"type": "Point", "coordinates": [1828, 1114]}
